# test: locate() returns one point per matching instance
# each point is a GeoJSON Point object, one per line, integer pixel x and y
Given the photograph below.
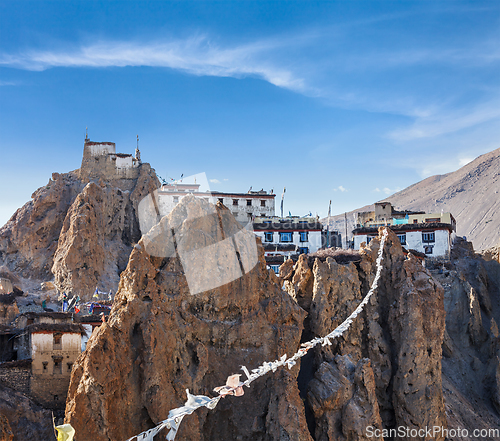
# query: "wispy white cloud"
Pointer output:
{"type": "Point", "coordinates": [443, 122]}
{"type": "Point", "coordinates": [214, 181]}
{"type": "Point", "coordinates": [465, 161]}
{"type": "Point", "coordinates": [340, 188]}
{"type": "Point", "coordinates": [8, 83]}
{"type": "Point", "coordinates": [387, 190]}
{"type": "Point", "coordinates": [197, 56]}
{"type": "Point", "coordinates": [441, 163]}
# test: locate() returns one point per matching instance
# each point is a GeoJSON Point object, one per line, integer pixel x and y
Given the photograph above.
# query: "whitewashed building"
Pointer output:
{"type": "Point", "coordinates": [244, 206]}
{"type": "Point", "coordinates": [431, 234]}
{"type": "Point", "coordinates": [304, 233]}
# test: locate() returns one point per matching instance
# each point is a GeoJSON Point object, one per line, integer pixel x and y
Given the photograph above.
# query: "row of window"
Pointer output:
{"type": "Point", "coordinates": [235, 201]}
{"type": "Point", "coordinates": [428, 237]}
{"type": "Point", "coordinates": [57, 367]}
{"type": "Point", "coordinates": [249, 202]}
{"type": "Point", "coordinates": [287, 236]}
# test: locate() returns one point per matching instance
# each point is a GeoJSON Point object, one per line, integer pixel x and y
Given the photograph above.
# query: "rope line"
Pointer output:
{"type": "Point", "coordinates": [235, 387]}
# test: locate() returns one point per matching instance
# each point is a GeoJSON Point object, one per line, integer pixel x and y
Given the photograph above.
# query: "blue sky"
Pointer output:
{"type": "Point", "coordinates": [347, 100]}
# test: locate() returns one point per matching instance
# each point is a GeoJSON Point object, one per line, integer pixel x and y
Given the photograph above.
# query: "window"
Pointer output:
{"type": "Point", "coordinates": [368, 239]}
{"type": "Point", "coordinates": [57, 341]}
{"type": "Point", "coordinates": [176, 199]}
{"type": "Point", "coordinates": [275, 268]}
{"type": "Point", "coordinates": [415, 221]}
{"type": "Point", "coordinates": [428, 249]}
{"type": "Point", "coordinates": [433, 219]}
{"type": "Point", "coordinates": [303, 236]}
{"type": "Point", "coordinates": [70, 365]}
{"type": "Point", "coordinates": [285, 237]}
{"type": "Point", "coordinates": [402, 238]}
{"type": "Point", "coordinates": [249, 202]}
{"type": "Point", "coordinates": [221, 200]}
{"type": "Point", "coordinates": [58, 365]}
{"type": "Point", "coordinates": [304, 250]}
{"type": "Point", "coordinates": [235, 201]}
{"type": "Point", "coordinates": [263, 203]}
{"type": "Point", "coordinates": [45, 363]}
{"type": "Point", "coordinates": [428, 237]}
{"type": "Point", "coordinates": [262, 214]}
{"type": "Point", "coordinates": [268, 237]}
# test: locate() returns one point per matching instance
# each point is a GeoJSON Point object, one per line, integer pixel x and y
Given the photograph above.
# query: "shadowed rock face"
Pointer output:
{"type": "Point", "coordinates": [77, 231]}
{"type": "Point", "coordinates": [28, 240]}
{"type": "Point", "coordinates": [24, 419]}
{"type": "Point", "coordinates": [96, 238]}
{"type": "Point", "coordinates": [160, 340]}
{"type": "Point", "coordinates": [395, 343]}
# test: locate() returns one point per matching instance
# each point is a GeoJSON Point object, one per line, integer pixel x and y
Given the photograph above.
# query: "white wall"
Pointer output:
{"type": "Point", "coordinates": [101, 149]}
{"type": "Point", "coordinates": [241, 210]}
{"type": "Point", "coordinates": [313, 243]}
{"type": "Point", "coordinates": [42, 349]}
{"type": "Point", "coordinates": [358, 240]}
{"type": "Point", "coordinates": [124, 163]}
{"type": "Point", "coordinates": [441, 245]}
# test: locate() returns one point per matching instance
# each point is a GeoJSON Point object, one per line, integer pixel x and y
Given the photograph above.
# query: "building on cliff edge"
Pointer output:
{"type": "Point", "coordinates": [244, 206]}
{"type": "Point", "coordinates": [428, 233]}
{"type": "Point", "coordinates": [100, 161]}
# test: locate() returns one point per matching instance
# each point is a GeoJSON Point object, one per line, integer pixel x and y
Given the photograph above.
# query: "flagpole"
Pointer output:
{"type": "Point", "coordinates": [282, 198]}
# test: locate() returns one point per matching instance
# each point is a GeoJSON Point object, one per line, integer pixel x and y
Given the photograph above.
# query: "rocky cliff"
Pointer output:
{"type": "Point", "coordinates": [78, 231]}
{"type": "Point", "coordinates": [21, 419]}
{"type": "Point", "coordinates": [386, 370]}
{"type": "Point", "coordinates": [160, 340]}
{"type": "Point", "coordinates": [96, 238]}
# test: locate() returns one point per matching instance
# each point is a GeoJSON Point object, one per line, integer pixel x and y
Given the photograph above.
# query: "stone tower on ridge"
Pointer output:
{"type": "Point", "coordinates": [100, 161]}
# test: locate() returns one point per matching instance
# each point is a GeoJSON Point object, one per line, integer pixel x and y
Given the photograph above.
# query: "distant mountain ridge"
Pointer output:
{"type": "Point", "coordinates": [470, 194]}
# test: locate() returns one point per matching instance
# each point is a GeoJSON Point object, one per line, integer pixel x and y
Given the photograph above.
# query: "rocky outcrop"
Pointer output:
{"type": "Point", "coordinates": [342, 396]}
{"type": "Point", "coordinates": [8, 309]}
{"type": "Point", "coordinates": [26, 420]}
{"type": "Point", "coordinates": [400, 334]}
{"type": "Point", "coordinates": [5, 430]}
{"type": "Point", "coordinates": [471, 361]}
{"type": "Point", "coordinates": [160, 340]}
{"type": "Point", "coordinates": [79, 231]}
{"type": "Point", "coordinates": [28, 240]}
{"type": "Point", "coordinates": [97, 236]}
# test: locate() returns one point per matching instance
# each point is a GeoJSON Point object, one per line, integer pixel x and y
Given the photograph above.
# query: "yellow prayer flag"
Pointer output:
{"type": "Point", "coordinates": [65, 432]}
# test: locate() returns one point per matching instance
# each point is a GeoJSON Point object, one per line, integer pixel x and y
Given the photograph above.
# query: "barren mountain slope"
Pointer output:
{"type": "Point", "coordinates": [471, 194]}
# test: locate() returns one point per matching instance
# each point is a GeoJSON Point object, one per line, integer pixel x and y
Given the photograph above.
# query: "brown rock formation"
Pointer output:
{"type": "Point", "coordinates": [5, 430]}
{"type": "Point", "coordinates": [8, 309]}
{"type": "Point", "coordinates": [78, 229]}
{"type": "Point", "coordinates": [343, 399]}
{"type": "Point", "coordinates": [471, 361]}
{"type": "Point", "coordinates": [27, 420]}
{"type": "Point", "coordinates": [97, 236]}
{"type": "Point", "coordinates": [400, 332]}
{"type": "Point", "coordinates": [160, 340]}
{"type": "Point", "coordinates": [28, 240]}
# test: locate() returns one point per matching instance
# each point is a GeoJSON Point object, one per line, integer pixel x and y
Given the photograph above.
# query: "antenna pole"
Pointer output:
{"type": "Point", "coordinates": [345, 218]}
